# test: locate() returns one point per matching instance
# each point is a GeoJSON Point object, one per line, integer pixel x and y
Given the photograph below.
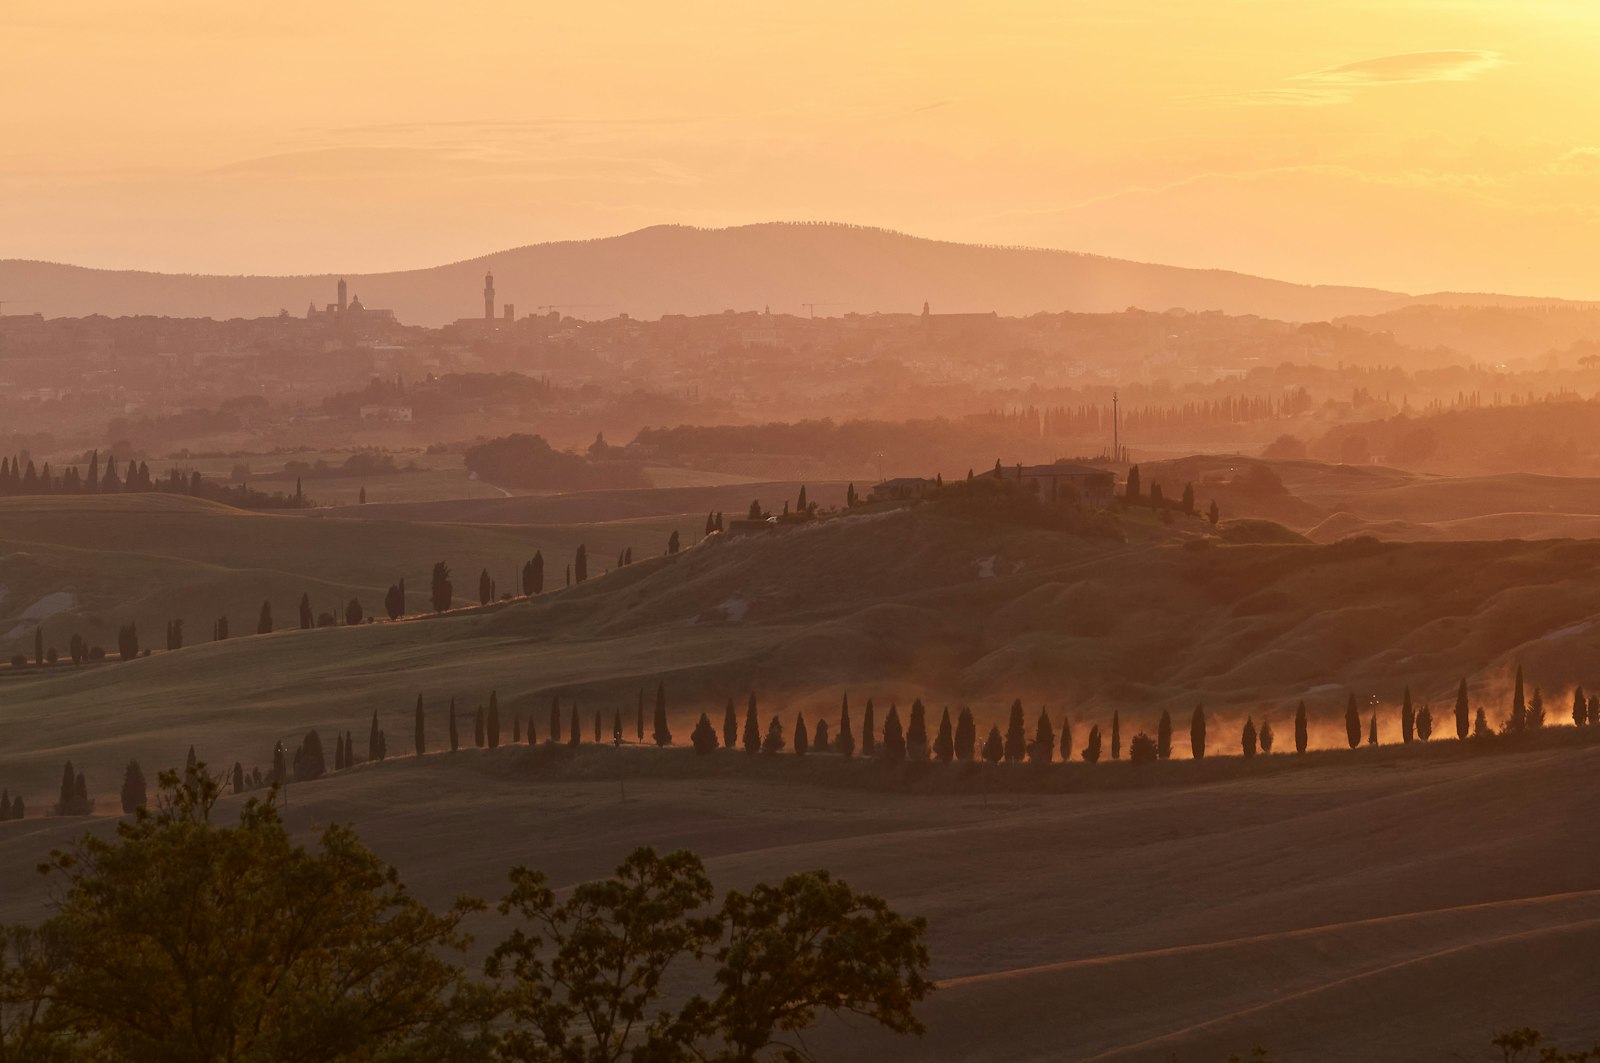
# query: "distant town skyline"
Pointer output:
{"type": "Point", "coordinates": [1416, 145]}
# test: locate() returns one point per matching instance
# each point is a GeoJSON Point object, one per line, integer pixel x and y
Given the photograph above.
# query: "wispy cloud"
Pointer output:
{"type": "Point", "coordinates": [1340, 84]}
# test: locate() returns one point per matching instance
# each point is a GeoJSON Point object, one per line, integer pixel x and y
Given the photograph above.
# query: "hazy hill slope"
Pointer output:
{"type": "Point", "coordinates": [676, 269]}
{"type": "Point", "coordinates": [895, 606]}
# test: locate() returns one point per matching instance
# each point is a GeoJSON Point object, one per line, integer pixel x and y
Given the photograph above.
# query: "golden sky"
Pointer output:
{"type": "Point", "coordinates": [1413, 144]}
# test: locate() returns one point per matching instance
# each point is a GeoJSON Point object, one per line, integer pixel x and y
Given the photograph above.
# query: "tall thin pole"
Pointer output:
{"type": "Point", "coordinates": [1116, 437]}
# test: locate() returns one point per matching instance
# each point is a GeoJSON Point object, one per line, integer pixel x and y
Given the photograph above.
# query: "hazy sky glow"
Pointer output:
{"type": "Point", "coordinates": [1415, 144]}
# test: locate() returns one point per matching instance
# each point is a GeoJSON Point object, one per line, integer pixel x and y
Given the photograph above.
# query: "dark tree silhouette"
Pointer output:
{"type": "Point", "coordinates": [1480, 726]}
{"type": "Point", "coordinates": [597, 738]}
{"type": "Point", "coordinates": [1131, 491]}
{"type": "Point", "coordinates": [352, 613]}
{"type": "Point", "coordinates": [966, 742]}
{"type": "Point", "coordinates": [820, 741]}
{"type": "Point", "coordinates": [1535, 713]}
{"type": "Point", "coordinates": [394, 602]}
{"type": "Point", "coordinates": [1372, 730]}
{"type": "Point", "coordinates": [264, 623]}
{"type": "Point", "coordinates": [307, 621]}
{"type": "Point", "coordinates": [662, 736]}
{"type": "Point", "coordinates": [1091, 748]}
{"type": "Point", "coordinates": [1116, 734]}
{"type": "Point", "coordinates": [869, 732]}
{"type": "Point", "coordinates": [419, 730]}
{"type": "Point", "coordinates": [1266, 735]}
{"type": "Point", "coordinates": [846, 742]}
{"type": "Point", "coordinates": [1164, 736]}
{"type": "Point", "coordinates": [1408, 719]}
{"type": "Point", "coordinates": [533, 580]}
{"type": "Point", "coordinates": [442, 591]}
{"type": "Point", "coordinates": [1463, 711]}
{"type": "Point", "coordinates": [134, 794]}
{"type": "Point", "coordinates": [1043, 747]}
{"type": "Point", "coordinates": [802, 741]}
{"type": "Point", "coordinates": [1247, 738]}
{"type": "Point", "coordinates": [574, 732]}
{"type": "Point", "coordinates": [1301, 736]}
{"type": "Point", "coordinates": [916, 728]}
{"type": "Point", "coordinates": [894, 738]}
{"type": "Point", "coordinates": [1580, 708]}
{"type": "Point", "coordinates": [1352, 722]}
{"type": "Point", "coordinates": [1425, 723]}
{"type": "Point", "coordinates": [455, 730]}
{"type": "Point", "coordinates": [375, 743]}
{"type": "Point", "coordinates": [1142, 749]}
{"type": "Point", "coordinates": [993, 747]}
{"type": "Point", "coordinates": [704, 736]}
{"type": "Point", "coordinates": [1197, 733]}
{"type": "Point", "coordinates": [1213, 514]}
{"type": "Point", "coordinates": [752, 728]}
{"type": "Point", "coordinates": [1519, 706]}
{"type": "Point", "coordinates": [1066, 738]}
{"type": "Point", "coordinates": [638, 718]}
{"type": "Point", "coordinates": [944, 747]}
{"type": "Point", "coordinates": [580, 564]}
{"type": "Point", "coordinates": [774, 740]}
{"type": "Point", "coordinates": [485, 588]}
{"type": "Point", "coordinates": [478, 729]}
{"type": "Point", "coordinates": [730, 726]}
{"type": "Point", "coordinates": [673, 544]}
{"type": "Point", "coordinates": [1016, 734]}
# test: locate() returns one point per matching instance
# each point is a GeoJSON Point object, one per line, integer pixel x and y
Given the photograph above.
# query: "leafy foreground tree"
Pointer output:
{"type": "Point", "coordinates": [582, 975]}
{"type": "Point", "coordinates": [183, 940]}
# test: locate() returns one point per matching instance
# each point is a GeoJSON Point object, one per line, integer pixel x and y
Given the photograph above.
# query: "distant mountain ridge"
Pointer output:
{"type": "Point", "coordinates": [677, 269]}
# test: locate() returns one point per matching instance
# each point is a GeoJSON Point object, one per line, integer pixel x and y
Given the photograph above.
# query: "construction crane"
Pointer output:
{"type": "Point", "coordinates": [811, 308]}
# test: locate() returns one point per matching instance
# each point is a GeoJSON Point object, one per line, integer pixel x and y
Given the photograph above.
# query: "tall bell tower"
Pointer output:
{"type": "Point", "coordinates": [488, 296]}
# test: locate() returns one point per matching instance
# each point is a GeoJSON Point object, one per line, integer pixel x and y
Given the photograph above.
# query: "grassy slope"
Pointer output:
{"type": "Point", "coordinates": [1349, 908]}
{"type": "Point", "coordinates": [150, 558]}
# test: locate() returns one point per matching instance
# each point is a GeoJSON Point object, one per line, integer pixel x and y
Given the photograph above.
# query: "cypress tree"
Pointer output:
{"type": "Point", "coordinates": [730, 726]}
{"type": "Point", "coordinates": [442, 590]}
{"type": "Point", "coordinates": [944, 746]}
{"type": "Point", "coordinates": [533, 731]}
{"type": "Point", "coordinates": [1480, 726]}
{"type": "Point", "coordinates": [375, 739]}
{"type": "Point", "coordinates": [966, 742]}
{"type": "Point", "coordinates": [1066, 738]}
{"type": "Point", "coordinates": [704, 736]}
{"type": "Point", "coordinates": [1352, 722]}
{"type": "Point", "coordinates": [846, 742]}
{"type": "Point", "coordinates": [238, 777]}
{"type": "Point", "coordinates": [802, 741]}
{"type": "Point", "coordinates": [1116, 735]}
{"type": "Point", "coordinates": [485, 590]}
{"type": "Point", "coordinates": [894, 739]}
{"type": "Point", "coordinates": [1247, 737]}
{"type": "Point", "coordinates": [1301, 734]}
{"type": "Point", "coordinates": [752, 728]}
{"type": "Point", "coordinates": [264, 624]}
{"type": "Point", "coordinates": [1463, 711]}
{"type": "Point", "coordinates": [1580, 709]}
{"type": "Point", "coordinates": [1372, 731]}
{"type": "Point", "coordinates": [662, 736]}
{"type": "Point", "coordinates": [1091, 748]}
{"type": "Point", "coordinates": [133, 788]}
{"type": "Point", "coordinates": [538, 572]}
{"type": "Point", "coordinates": [993, 747]}
{"type": "Point", "coordinates": [555, 719]}
{"type": "Point", "coordinates": [419, 730]}
{"type": "Point", "coordinates": [1164, 736]}
{"type": "Point", "coordinates": [1535, 714]}
{"type": "Point", "coordinates": [574, 732]}
{"type": "Point", "coordinates": [580, 563]}
{"type": "Point", "coordinates": [1197, 733]}
{"type": "Point", "coordinates": [869, 732]}
{"type": "Point", "coordinates": [1519, 706]}
{"type": "Point", "coordinates": [916, 729]}
{"type": "Point", "coordinates": [455, 731]}
{"type": "Point", "coordinates": [638, 721]}
{"type": "Point", "coordinates": [1408, 720]}
{"type": "Point", "coordinates": [516, 728]}
{"type": "Point", "coordinates": [1016, 734]}
{"type": "Point", "coordinates": [1043, 748]}
{"type": "Point", "coordinates": [338, 752]}
{"type": "Point", "coordinates": [477, 727]}
{"type": "Point", "coordinates": [774, 740]}
{"type": "Point", "coordinates": [616, 727]}
{"type": "Point", "coordinates": [307, 621]}
{"type": "Point", "coordinates": [597, 738]}
{"type": "Point", "coordinates": [492, 721]}
{"type": "Point", "coordinates": [1425, 723]}
{"type": "Point", "coordinates": [1265, 735]}
{"type": "Point", "coordinates": [820, 739]}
